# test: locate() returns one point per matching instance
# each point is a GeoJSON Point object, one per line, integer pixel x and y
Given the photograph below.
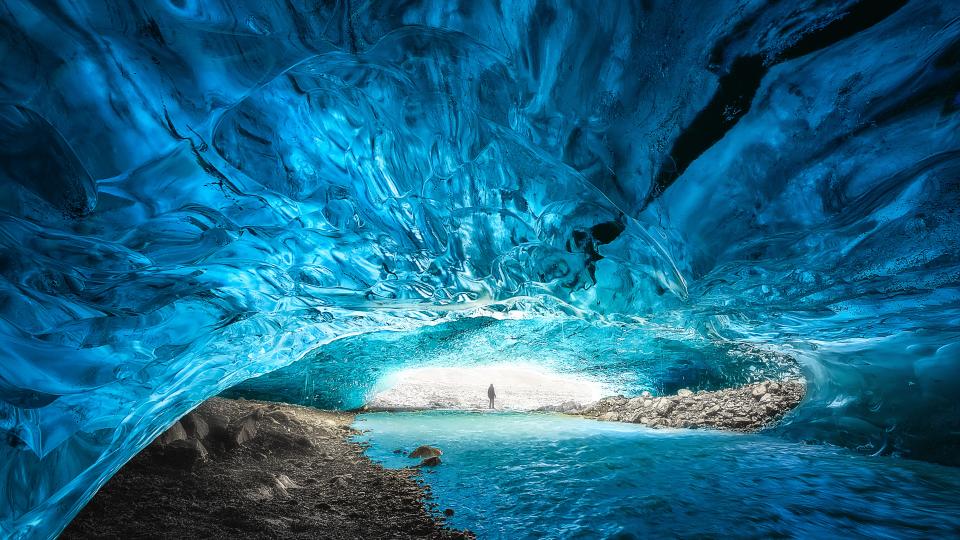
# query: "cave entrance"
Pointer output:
{"type": "Point", "coordinates": [519, 387]}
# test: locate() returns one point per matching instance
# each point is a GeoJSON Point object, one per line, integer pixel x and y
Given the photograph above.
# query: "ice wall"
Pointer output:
{"type": "Point", "coordinates": [192, 193]}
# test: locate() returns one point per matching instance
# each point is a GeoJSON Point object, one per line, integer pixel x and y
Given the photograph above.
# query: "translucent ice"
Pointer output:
{"type": "Point", "coordinates": [195, 193]}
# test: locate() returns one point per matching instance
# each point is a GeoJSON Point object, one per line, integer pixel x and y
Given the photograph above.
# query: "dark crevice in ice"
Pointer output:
{"type": "Point", "coordinates": [737, 87]}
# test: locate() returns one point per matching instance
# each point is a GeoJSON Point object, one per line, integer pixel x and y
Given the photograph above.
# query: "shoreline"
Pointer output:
{"type": "Point", "coordinates": [745, 409]}
{"type": "Point", "coordinates": [255, 469]}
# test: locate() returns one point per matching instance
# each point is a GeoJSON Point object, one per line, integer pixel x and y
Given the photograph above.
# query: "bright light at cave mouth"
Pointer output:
{"type": "Point", "coordinates": [519, 387]}
{"type": "Point", "coordinates": [334, 204]}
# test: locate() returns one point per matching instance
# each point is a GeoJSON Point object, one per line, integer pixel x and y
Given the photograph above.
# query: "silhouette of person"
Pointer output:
{"type": "Point", "coordinates": [492, 394]}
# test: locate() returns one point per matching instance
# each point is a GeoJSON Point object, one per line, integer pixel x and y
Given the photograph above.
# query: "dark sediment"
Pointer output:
{"type": "Point", "coordinates": [247, 469]}
{"type": "Point", "coordinates": [747, 408]}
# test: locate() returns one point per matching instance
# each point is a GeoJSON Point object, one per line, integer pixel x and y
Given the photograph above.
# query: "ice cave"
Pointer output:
{"type": "Point", "coordinates": [479, 269]}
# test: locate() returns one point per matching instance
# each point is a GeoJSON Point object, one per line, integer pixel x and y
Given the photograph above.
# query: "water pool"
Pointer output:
{"type": "Point", "coordinates": [515, 475]}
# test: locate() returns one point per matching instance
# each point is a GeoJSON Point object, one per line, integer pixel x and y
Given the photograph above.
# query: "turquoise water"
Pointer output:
{"type": "Point", "coordinates": [512, 475]}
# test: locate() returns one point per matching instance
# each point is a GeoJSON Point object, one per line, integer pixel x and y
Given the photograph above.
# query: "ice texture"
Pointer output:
{"type": "Point", "coordinates": [193, 193]}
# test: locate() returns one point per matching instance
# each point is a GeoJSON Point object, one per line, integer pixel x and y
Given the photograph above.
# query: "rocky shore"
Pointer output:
{"type": "Point", "coordinates": [249, 469]}
{"type": "Point", "coordinates": [747, 408]}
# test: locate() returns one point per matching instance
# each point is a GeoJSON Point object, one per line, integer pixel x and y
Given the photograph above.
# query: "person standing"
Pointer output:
{"type": "Point", "coordinates": [492, 394]}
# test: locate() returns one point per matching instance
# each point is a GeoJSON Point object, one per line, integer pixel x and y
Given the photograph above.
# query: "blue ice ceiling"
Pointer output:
{"type": "Point", "coordinates": [194, 193]}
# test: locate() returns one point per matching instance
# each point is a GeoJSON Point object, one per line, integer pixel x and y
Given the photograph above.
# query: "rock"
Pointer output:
{"type": "Point", "coordinates": [304, 441]}
{"type": "Point", "coordinates": [663, 406]}
{"type": "Point", "coordinates": [448, 512]}
{"type": "Point", "coordinates": [279, 416]}
{"type": "Point", "coordinates": [284, 482]}
{"type": "Point", "coordinates": [173, 434]}
{"type": "Point", "coordinates": [590, 409]}
{"type": "Point", "coordinates": [425, 451]}
{"type": "Point", "coordinates": [746, 408]}
{"type": "Point", "coordinates": [259, 494]}
{"type": "Point", "coordinates": [568, 406]}
{"type": "Point", "coordinates": [645, 394]}
{"type": "Point", "coordinates": [341, 481]}
{"type": "Point", "coordinates": [195, 426]}
{"type": "Point", "coordinates": [244, 431]}
{"type": "Point", "coordinates": [182, 454]}
{"type": "Point", "coordinates": [274, 488]}
{"type": "Point", "coordinates": [432, 461]}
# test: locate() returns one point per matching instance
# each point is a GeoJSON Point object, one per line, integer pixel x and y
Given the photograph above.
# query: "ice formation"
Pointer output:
{"type": "Point", "coordinates": [196, 192]}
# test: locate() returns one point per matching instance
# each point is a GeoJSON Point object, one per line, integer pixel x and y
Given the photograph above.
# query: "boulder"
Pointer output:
{"type": "Point", "coordinates": [758, 391]}
{"type": "Point", "coordinates": [279, 416]}
{"type": "Point", "coordinates": [432, 461]}
{"type": "Point", "coordinates": [173, 434]}
{"type": "Point", "coordinates": [244, 431]}
{"type": "Point", "coordinates": [220, 437]}
{"type": "Point", "coordinates": [341, 481]}
{"type": "Point", "coordinates": [277, 487]}
{"type": "Point", "coordinates": [684, 392]}
{"type": "Point", "coordinates": [425, 451]}
{"type": "Point", "coordinates": [590, 409]}
{"type": "Point", "coordinates": [282, 481]}
{"type": "Point", "coordinates": [663, 406]}
{"type": "Point", "coordinates": [195, 426]}
{"type": "Point", "coordinates": [635, 403]}
{"type": "Point", "coordinates": [182, 454]}
{"type": "Point", "coordinates": [569, 406]}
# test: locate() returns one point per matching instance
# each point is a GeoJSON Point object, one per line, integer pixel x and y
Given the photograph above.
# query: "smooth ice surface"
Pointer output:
{"type": "Point", "coordinates": [193, 193]}
{"type": "Point", "coordinates": [511, 475]}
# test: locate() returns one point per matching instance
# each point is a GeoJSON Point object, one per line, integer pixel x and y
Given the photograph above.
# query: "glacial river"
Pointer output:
{"type": "Point", "coordinates": [515, 475]}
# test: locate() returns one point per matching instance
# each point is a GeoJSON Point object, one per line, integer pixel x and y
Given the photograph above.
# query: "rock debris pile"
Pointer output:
{"type": "Point", "coordinates": [747, 408]}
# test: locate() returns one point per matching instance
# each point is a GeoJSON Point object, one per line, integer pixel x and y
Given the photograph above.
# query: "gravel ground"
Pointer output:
{"type": "Point", "coordinates": [250, 469]}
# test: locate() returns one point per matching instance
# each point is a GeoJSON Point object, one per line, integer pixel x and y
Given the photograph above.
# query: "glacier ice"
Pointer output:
{"type": "Point", "coordinates": [194, 193]}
